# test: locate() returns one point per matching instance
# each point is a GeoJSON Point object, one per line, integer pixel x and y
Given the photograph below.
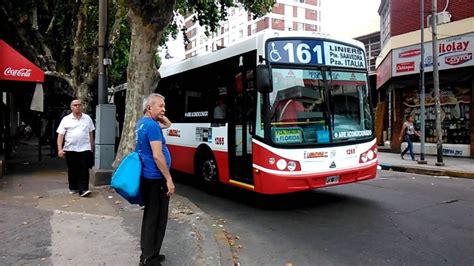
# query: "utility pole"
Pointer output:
{"type": "Point", "coordinates": [105, 113]}
{"type": "Point", "coordinates": [102, 77]}
{"type": "Point", "coordinates": [439, 135]}
{"type": "Point", "coordinates": [422, 83]}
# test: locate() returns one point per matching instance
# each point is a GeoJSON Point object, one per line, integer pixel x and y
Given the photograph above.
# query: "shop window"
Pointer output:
{"type": "Point", "coordinates": [455, 108]}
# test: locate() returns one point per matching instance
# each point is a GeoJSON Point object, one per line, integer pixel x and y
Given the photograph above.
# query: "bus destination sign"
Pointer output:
{"type": "Point", "coordinates": [315, 52]}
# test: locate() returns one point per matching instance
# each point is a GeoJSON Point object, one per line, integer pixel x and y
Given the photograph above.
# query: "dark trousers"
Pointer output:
{"type": "Point", "coordinates": [155, 218]}
{"type": "Point", "coordinates": [78, 170]}
{"type": "Point", "coordinates": [409, 147]}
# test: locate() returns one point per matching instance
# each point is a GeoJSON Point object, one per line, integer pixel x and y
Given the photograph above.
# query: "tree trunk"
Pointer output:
{"type": "Point", "coordinates": [142, 78]}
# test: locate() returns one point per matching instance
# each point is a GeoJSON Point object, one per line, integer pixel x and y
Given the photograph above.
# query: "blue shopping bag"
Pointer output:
{"type": "Point", "coordinates": [126, 178]}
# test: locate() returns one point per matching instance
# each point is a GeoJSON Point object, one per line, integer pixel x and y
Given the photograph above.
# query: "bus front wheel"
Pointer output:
{"type": "Point", "coordinates": [207, 170]}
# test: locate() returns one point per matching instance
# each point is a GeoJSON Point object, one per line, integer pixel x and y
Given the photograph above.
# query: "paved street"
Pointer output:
{"type": "Point", "coordinates": [397, 219]}
{"type": "Point", "coordinates": [237, 103]}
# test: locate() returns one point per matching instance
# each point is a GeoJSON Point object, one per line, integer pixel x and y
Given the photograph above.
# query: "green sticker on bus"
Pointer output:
{"type": "Point", "coordinates": [287, 135]}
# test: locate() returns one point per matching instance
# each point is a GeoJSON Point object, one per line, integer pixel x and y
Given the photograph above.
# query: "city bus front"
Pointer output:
{"type": "Point", "coordinates": [314, 124]}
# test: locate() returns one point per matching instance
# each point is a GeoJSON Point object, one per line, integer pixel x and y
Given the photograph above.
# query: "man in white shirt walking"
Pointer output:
{"type": "Point", "coordinates": [76, 132]}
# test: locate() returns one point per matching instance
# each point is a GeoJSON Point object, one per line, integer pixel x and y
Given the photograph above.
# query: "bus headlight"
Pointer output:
{"type": "Point", "coordinates": [281, 164]}
{"type": "Point", "coordinates": [274, 162]}
{"type": "Point", "coordinates": [291, 166]}
{"type": "Point", "coordinates": [368, 155]}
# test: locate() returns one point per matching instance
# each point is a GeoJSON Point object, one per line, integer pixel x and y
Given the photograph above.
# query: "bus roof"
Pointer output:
{"type": "Point", "coordinates": [255, 42]}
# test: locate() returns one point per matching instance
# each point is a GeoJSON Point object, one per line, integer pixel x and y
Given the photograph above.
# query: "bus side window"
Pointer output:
{"type": "Point", "coordinates": [220, 110]}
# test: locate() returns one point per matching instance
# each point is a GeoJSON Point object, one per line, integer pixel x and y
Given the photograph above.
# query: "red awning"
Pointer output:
{"type": "Point", "coordinates": [14, 66]}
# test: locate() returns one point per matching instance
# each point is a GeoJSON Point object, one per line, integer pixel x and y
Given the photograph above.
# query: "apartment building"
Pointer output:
{"type": "Point", "coordinates": [371, 43]}
{"type": "Point", "coordinates": [286, 15]}
{"type": "Point", "coordinates": [398, 72]}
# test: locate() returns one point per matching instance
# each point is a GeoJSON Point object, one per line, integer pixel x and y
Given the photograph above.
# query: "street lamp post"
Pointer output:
{"type": "Point", "coordinates": [422, 83]}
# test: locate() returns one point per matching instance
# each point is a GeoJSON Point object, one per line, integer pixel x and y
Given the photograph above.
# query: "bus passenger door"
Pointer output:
{"type": "Point", "coordinates": [240, 151]}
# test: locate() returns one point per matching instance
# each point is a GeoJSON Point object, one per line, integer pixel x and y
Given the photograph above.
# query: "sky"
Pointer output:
{"type": "Point", "coordinates": [351, 18]}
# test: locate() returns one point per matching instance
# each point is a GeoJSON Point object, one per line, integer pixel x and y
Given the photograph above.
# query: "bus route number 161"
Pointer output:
{"type": "Point", "coordinates": [303, 53]}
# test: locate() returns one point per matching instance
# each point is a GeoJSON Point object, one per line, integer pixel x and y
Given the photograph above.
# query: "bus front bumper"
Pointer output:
{"type": "Point", "coordinates": [270, 183]}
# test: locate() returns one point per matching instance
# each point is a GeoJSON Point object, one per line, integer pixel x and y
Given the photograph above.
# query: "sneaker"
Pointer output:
{"type": "Point", "coordinates": [85, 193]}
{"type": "Point", "coordinates": [72, 191]}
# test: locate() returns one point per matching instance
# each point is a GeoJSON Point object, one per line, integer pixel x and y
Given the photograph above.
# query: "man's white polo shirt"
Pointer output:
{"type": "Point", "coordinates": [76, 132]}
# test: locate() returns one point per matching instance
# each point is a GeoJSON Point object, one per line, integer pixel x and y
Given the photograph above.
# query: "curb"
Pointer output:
{"type": "Point", "coordinates": [425, 171]}
{"type": "Point", "coordinates": [216, 250]}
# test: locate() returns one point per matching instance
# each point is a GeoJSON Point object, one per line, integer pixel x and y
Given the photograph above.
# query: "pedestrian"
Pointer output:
{"type": "Point", "coordinates": [28, 132]}
{"type": "Point", "coordinates": [407, 133]}
{"type": "Point", "coordinates": [76, 131]}
{"type": "Point", "coordinates": [156, 183]}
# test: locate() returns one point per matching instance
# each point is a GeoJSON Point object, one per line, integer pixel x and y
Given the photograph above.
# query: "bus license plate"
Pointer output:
{"type": "Point", "coordinates": [332, 179]}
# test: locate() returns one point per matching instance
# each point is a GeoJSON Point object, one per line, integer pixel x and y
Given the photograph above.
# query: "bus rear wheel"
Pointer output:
{"type": "Point", "coordinates": [207, 170]}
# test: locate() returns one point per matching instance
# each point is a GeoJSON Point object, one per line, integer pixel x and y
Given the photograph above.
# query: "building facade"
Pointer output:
{"type": "Point", "coordinates": [286, 15]}
{"type": "Point", "coordinates": [371, 43]}
{"type": "Point", "coordinates": [398, 72]}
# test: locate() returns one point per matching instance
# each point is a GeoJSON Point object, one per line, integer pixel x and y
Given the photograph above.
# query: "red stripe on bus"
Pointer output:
{"type": "Point", "coordinates": [182, 159]}
{"type": "Point", "coordinates": [270, 183]}
{"type": "Point", "coordinates": [222, 165]}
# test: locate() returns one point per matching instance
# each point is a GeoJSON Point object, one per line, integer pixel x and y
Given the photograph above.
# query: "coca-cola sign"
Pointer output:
{"type": "Point", "coordinates": [22, 72]}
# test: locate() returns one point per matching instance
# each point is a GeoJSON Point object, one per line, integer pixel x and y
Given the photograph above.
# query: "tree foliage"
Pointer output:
{"type": "Point", "coordinates": [209, 12]}
{"type": "Point", "coordinates": [151, 22]}
{"type": "Point", "coordinates": [119, 55]}
{"type": "Point", "coordinates": [61, 37]}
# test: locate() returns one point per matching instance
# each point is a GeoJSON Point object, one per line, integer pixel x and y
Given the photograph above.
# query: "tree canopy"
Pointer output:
{"type": "Point", "coordinates": [150, 21]}
{"type": "Point", "coordinates": [61, 37]}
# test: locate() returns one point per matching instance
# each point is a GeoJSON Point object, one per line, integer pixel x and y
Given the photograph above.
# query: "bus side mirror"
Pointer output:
{"type": "Point", "coordinates": [263, 79]}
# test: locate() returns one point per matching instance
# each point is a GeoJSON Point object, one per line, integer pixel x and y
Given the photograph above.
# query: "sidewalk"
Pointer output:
{"type": "Point", "coordinates": [453, 166]}
{"type": "Point", "coordinates": [42, 224]}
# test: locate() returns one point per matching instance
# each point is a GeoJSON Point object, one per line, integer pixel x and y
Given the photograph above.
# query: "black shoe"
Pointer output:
{"type": "Point", "coordinates": [161, 258]}
{"type": "Point", "coordinates": [413, 159]}
{"type": "Point", "coordinates": [401, 155]}
{"type": "Point", "coordinates": [84, 193]}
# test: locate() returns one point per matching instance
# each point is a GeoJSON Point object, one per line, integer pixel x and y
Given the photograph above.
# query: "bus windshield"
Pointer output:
{"type": "Point", "coordinates": [313, 106]}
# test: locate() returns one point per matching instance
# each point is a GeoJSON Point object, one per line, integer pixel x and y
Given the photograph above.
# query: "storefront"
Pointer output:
{"type": "Point", "coordinates": [400, 83]}
{"type": "Point", "coordinates": [20, 83]}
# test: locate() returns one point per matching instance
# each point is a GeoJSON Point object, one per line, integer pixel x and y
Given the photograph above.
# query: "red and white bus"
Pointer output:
{"type": "Point", "coordinates": [278, 113]}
